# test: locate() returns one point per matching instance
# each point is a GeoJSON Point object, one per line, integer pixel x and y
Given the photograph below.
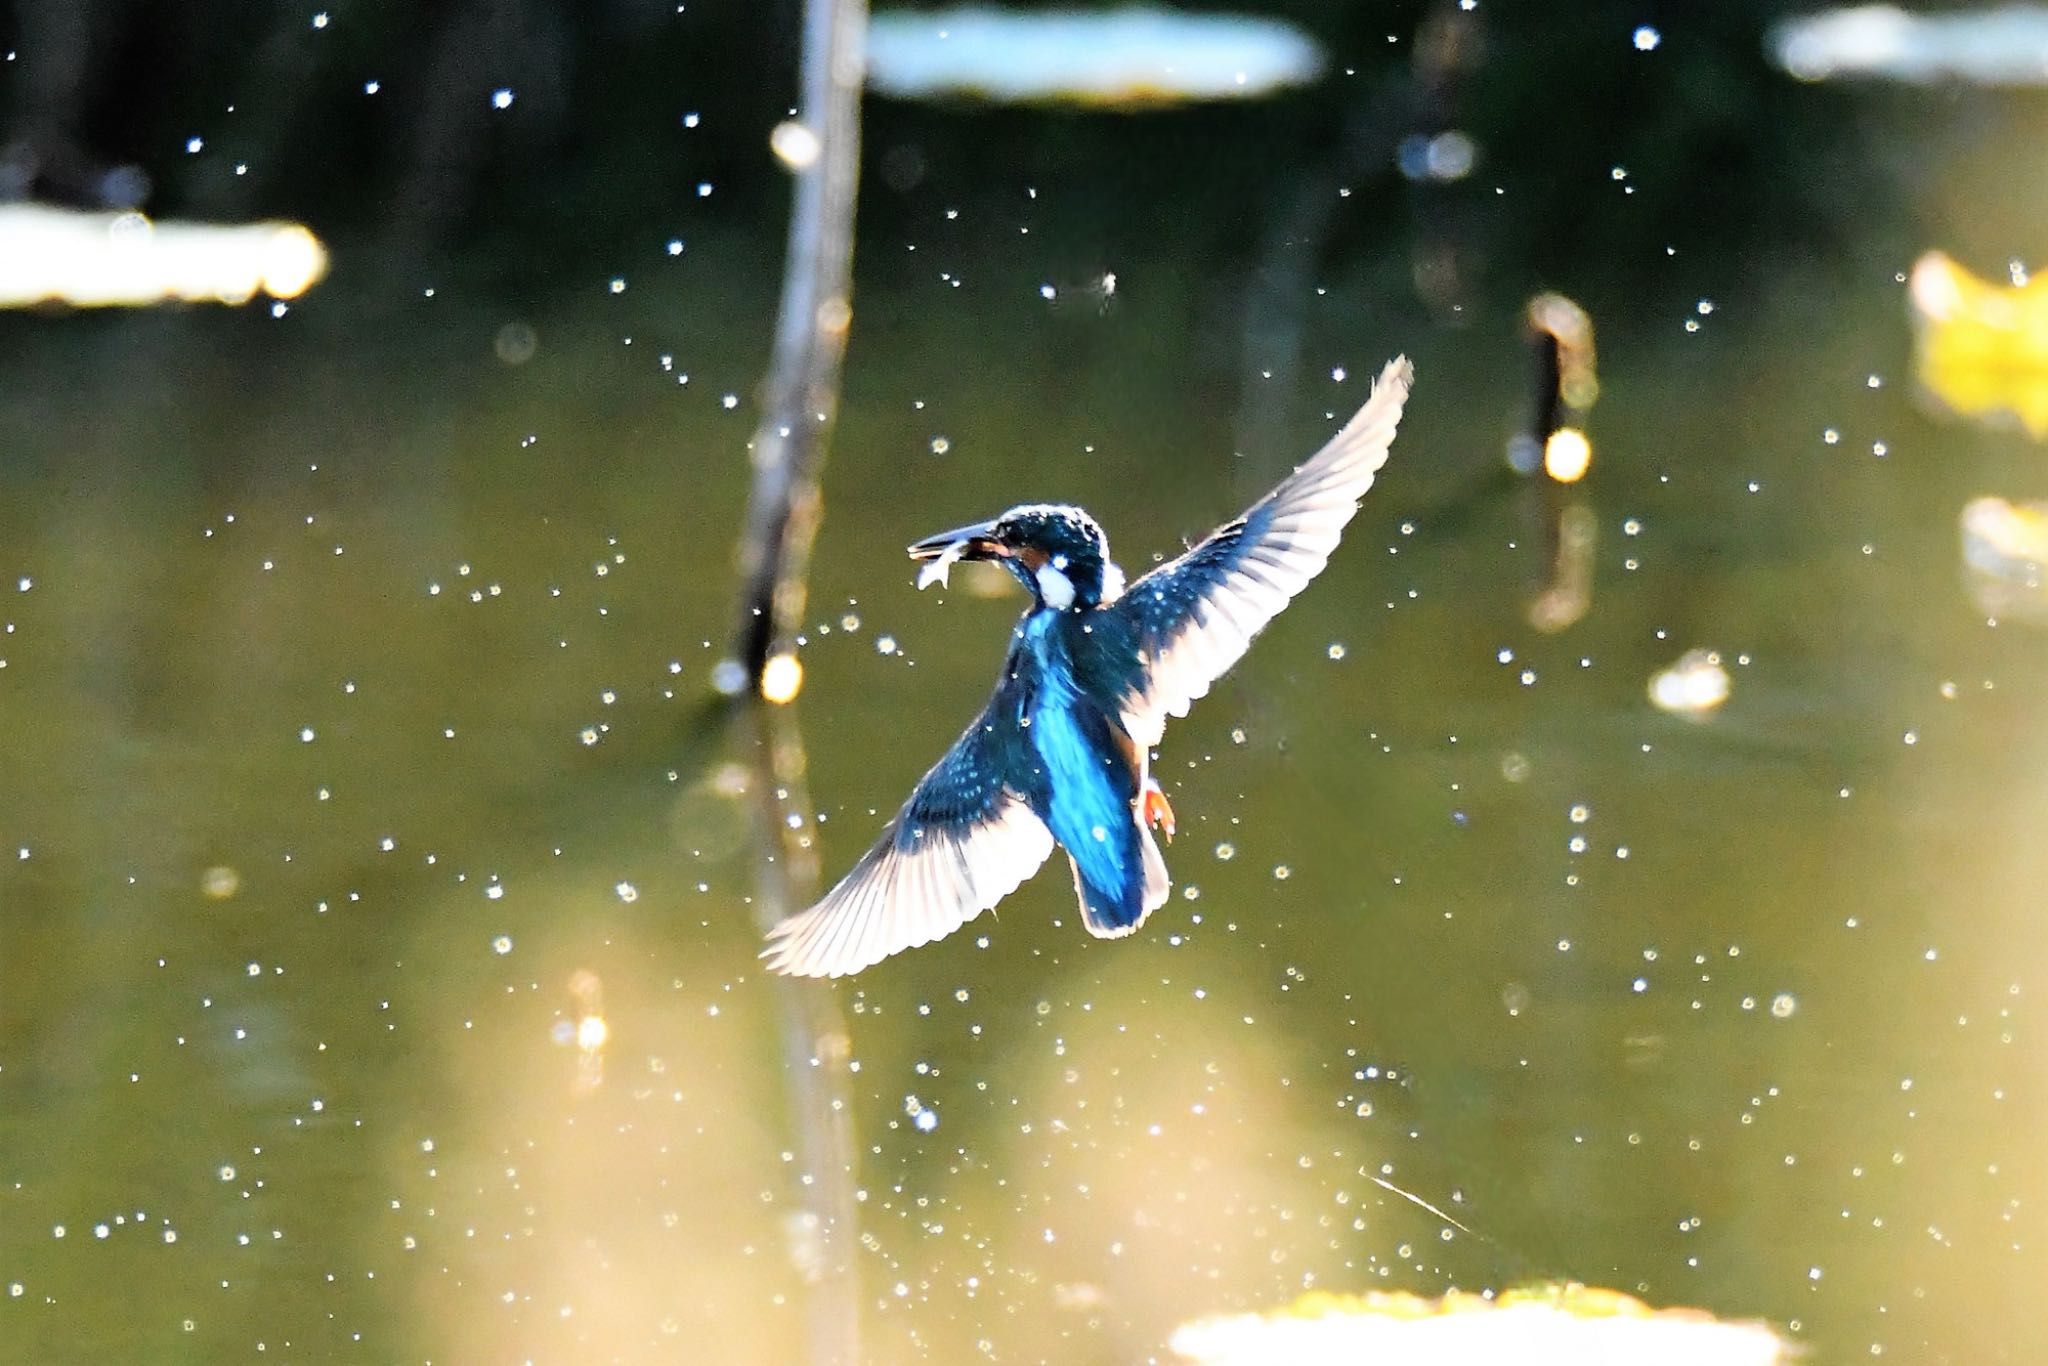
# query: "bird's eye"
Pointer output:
{"type": "Point", "coordinates": [1059, 562]}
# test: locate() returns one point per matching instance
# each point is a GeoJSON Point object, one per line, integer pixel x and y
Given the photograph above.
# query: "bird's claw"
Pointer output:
{"type": "Point", "coordinates": [1157, 810]}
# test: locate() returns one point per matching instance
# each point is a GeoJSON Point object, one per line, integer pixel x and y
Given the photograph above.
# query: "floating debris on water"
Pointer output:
{"type": "Point", "coordinates": [1981, 348]}
{"type": "Point", "coordinates": [1120, 58]}
{"type": "Point", "coordinates": [1554, 1322]}
{"type": "Point", "coordinates": [2004, 46]}
{"type": "Point", "coordinates": [1693, 687]}
{"type": "Point", "coordinates": [2004, 546]}
{"type": "Point", "coordinates": [99, 260]}
{"type": "Point", "coordinates": [1568, 595]}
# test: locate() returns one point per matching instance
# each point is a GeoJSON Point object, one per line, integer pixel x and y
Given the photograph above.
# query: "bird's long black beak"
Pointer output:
{"type": "Point", "coordinates": [977, 542]}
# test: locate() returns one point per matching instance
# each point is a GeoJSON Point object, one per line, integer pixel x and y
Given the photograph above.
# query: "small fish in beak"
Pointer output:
{"type": "Point", "coordinates": [941, 552]}
{"type": "Point", "coordinates": [940, 570]}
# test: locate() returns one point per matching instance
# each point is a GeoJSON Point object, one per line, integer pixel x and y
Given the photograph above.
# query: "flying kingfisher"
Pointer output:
{"type": "Point", "coordinates": [1061, 753]}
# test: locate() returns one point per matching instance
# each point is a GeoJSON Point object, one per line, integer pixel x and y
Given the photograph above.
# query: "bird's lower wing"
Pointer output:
{"type": "Point", "coordinates": [1192, 618]}
{"type": "Point", "coordinates": [963, 842]}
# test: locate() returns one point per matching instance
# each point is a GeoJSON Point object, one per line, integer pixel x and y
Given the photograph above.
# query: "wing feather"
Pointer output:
{"type": "Point", "coordinates": [1192, 618]}
{"type": "Point", "coordinates": [965, 840]}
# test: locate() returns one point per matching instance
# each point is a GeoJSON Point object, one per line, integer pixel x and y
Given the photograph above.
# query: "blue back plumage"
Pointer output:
{"type": "Point", "coordinates": [1091, 783]}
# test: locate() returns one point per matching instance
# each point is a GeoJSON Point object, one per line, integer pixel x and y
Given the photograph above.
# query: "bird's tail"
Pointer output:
{"type": "Point", "coordinates": [1115, 909]}
{"type": "Point", "coordinates": [1157, 883]}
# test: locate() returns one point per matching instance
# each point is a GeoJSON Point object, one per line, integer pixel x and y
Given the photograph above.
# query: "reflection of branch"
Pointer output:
{"type": "Point", "coordinates": [798, 402]}
{"type": "Point", "coordinates": [815, 1047]}
{"type": "Point", "coordinates": [1299, 230]}
{"type": "Point", "coordinates": [802, 391]}
{"type": "Point", "coordinates": [1278, 295]}
{"type": "Point", "coordinates": [1569, 593]}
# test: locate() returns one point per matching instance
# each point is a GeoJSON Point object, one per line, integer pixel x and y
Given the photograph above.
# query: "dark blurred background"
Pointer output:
{"type": "Point", "coordinates": [594, 161]}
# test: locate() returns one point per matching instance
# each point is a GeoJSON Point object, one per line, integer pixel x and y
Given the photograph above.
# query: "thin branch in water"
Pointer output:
{"type": "Point", "coordinates": [801, 396]}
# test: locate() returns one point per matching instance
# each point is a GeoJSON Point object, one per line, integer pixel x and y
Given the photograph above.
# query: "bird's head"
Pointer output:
{"type": "Point", "coordinates": [1057, 552]}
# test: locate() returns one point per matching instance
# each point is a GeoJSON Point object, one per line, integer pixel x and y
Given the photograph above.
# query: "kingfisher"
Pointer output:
{"type": "Point", "coordinates": [1062, 752]}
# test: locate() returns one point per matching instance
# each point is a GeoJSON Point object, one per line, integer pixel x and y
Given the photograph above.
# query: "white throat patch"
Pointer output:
{"type": "Point", "coordinates": [1055, 587]}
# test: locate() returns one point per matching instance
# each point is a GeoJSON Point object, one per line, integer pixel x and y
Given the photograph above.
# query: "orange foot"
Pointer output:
{"type": "Point", "coordinates": [1157, 810]}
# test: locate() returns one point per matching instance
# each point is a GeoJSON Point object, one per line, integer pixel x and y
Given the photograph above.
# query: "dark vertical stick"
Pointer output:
{"type": "Point", "coordinates": [801, 396]}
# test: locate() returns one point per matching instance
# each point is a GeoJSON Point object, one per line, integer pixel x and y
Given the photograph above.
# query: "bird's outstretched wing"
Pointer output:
{"type": "Point", "coordinates": [963, 842]}
{"type": "Point", "coordinates": [1192, 618]}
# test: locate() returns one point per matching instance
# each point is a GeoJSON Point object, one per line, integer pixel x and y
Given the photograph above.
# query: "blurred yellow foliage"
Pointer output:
{"type": "Point", "coordinates": [1982, 347]}
{"type": "Point", "coordinates": [1554, 1321]}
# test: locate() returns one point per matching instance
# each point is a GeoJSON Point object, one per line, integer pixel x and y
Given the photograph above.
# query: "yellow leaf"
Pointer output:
{"type": "Point", "coordinates": [1981, 347]}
